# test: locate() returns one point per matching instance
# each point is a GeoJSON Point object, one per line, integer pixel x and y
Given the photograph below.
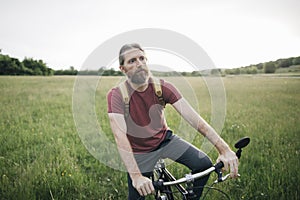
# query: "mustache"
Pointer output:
{"type": "Point", "coordinates": [141, 70]}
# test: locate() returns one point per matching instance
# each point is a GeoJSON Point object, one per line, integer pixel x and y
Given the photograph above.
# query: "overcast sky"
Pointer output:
{"type": "Point", "coordinates": [233, 33]}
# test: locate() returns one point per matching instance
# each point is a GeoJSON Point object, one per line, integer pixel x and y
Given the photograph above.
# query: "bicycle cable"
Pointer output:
{"type": "Point", "coordinates": [214, 188]}
{"type": "Point", "coordinates": [209, 188]}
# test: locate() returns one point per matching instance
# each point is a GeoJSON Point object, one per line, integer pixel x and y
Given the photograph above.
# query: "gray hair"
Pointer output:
{"type": "Point", "coordinates": [125, 48]}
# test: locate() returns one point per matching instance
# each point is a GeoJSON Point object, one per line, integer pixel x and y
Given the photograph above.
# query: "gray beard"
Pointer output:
{"type": "Point", "coordinates": [139, 78]}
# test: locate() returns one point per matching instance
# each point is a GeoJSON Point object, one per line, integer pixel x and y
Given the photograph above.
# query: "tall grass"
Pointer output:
{"type": "Point", "coordinates": [42, 156]}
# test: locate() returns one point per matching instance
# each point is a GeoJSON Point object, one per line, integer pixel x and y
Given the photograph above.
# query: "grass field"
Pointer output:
{"type": "Point", "coordinates": [43, 157]}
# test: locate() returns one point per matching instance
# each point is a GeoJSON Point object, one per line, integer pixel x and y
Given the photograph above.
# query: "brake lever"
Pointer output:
{"type": "Point", "coordinates": [224, 178]}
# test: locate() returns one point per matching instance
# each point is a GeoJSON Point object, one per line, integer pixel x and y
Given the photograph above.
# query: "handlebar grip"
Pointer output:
{"type": "Point", "coordinates": [219, 165]}
{"type": "Point", "coordinates": [158, 184]}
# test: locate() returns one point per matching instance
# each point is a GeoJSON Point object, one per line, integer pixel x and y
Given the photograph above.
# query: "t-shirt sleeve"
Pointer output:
{"type": "Point", "coordinates": [115, 102]}
{"type": "Point", "coordinates": [170, 93]}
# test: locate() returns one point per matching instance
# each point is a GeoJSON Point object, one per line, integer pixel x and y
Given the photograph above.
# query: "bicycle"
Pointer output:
{"type": "Point", "coordinates": [163, 179]}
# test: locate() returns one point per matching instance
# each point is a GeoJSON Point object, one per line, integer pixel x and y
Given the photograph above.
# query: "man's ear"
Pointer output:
{"type": "Point", "coordinates": [122, 68]}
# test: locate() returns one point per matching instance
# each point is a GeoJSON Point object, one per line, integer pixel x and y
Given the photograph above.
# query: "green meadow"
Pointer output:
{"type": "Point", "coordinates": [42, 155]}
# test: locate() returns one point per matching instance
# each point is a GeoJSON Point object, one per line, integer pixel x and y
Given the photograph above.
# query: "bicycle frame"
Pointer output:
{"type": "Point", "coordinates": [163, 174]}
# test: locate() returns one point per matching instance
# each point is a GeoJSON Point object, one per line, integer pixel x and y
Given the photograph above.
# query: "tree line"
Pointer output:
{"type": "Point", "coordinates": [266, 67]}
{"type": "Point", "coordinates": [30, 66]}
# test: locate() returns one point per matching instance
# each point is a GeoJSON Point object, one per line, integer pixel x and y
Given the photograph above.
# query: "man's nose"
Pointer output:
{"type": "Point", "coordinates": [139, 63]}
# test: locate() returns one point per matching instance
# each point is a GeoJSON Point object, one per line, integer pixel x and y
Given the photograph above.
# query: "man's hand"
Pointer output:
{"type": "Point", "coordinates": [230, 161]}
{"type": "Point", "coordinates": [143, 185]}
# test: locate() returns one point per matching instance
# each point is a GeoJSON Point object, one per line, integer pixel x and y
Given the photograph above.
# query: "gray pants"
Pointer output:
{"type": "Point", "coordinates": [178, 150]}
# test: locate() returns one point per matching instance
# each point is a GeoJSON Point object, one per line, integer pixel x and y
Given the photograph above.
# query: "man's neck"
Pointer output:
{"type": "Point", "coordinates": [139, 87]}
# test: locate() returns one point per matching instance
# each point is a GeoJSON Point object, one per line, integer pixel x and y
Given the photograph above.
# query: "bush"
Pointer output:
{"type": "Point", "coordinates": [269, 67]}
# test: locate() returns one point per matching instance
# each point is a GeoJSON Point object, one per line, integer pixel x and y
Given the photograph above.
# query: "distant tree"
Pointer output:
{"type": "Point", "coordinates": [269, 67]}
{"type": "Point", "coordinates": [296, 61]}
{"type": "Point", "coordinates": [50, 71]}
{"type": "Point", "coordinates": [36, 67]}
{"type": "Point", "coordinates": [252, 70]}
{"type": "Point", "coordinates": [228, 71]}
{"type": "Point", "coordinates": [101, 70]}
{"type": "Point", "coordinates": [195, 73]}
{"type": "Point", "coordinates": [237, 71]}
{"type": "Point", "coordinates": [284, 63]}
{"type": "Point", "coordinates": [215, 71]}
{"type": "Point", "coordinates": [72, 71]}
{"type": "Point", "coordinates": [249, 70]}
{"type": "Point", "coordinates": [234, 71]}
{"type": "Point", "coordinates": [243, 70]}
{"type": "Point", "coordinates": [10, 66]}
{"type": "Point", "coordinates": [109, 72]}
{"type": "Point", "coordinates": [260, 66]}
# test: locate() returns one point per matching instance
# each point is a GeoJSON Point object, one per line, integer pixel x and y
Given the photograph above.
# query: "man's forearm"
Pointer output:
{"type": "Point", "coordinates": [118, 127]}
{"type": "Point", "coordinates": [127, 156]}
{"type": "Point", "coordinates": [196, 121]}
{"type": "Point", "coordinates": [206, 130]}
{"type": "Point", "coordinates": [227, 156]}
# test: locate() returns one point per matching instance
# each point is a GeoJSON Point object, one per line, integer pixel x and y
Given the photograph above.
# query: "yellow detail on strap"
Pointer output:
{"type": "Point", "coordinates": [158, 91]}
{"type": "Point", "coordinates": [157, 86]}
{"type": "Point", "coordinates": [124, 92]}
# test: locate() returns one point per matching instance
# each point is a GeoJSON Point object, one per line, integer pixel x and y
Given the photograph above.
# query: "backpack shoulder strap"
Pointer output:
{"type": "Point", "coordinates": [124, 92]}
{"type": "Point", "coordinates": [158, 91]}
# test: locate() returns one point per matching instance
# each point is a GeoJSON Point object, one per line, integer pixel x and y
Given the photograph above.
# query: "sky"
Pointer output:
{"type": "Point", "coordinates": [233, 33]}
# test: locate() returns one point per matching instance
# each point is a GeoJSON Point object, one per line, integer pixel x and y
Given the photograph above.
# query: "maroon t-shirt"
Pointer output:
{"type": "Point", "coordinates": [146, 124]}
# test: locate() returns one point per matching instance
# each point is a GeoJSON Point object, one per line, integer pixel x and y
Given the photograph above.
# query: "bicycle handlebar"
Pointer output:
{"type": "Point", "coordinates": [219, 165]}
{"type": "Point", "coordinates": [191, 177]}
{"type": "Point", "coordinates": [188, 177]}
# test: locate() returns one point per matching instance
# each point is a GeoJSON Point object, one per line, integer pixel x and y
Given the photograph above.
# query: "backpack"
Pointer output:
{"type": "Point", "coordinates": [158, 92]}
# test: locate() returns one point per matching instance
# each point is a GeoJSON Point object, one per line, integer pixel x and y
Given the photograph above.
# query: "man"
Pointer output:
{"type": "Point", "coordinates": [142, 135]}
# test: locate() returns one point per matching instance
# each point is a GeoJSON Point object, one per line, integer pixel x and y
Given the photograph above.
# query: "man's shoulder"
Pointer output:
{"type": "Point", "coordinates": [113, 93]}
{"type": "Point", "coordinates": [166, 83]}
{"type": "Point", "coordinates": [158, 80]}
{"type": "Point", "coordinates": [112, 90]}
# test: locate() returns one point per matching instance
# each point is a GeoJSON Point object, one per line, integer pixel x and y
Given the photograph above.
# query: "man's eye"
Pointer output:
{"type": "Point", "coordinates": [131, 61]}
